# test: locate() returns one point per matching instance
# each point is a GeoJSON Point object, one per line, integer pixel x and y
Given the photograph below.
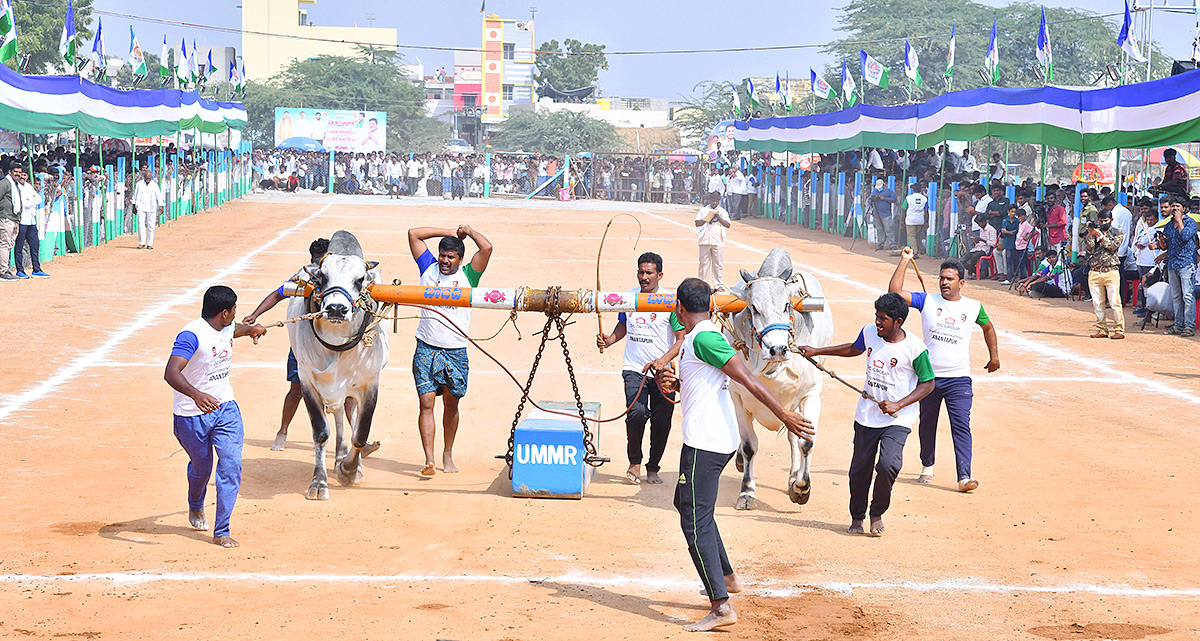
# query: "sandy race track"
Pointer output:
{"type": "Point", "coordinates": [1083, 527]}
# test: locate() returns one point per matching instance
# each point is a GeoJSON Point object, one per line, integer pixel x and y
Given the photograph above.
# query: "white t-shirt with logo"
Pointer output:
{"type": "Point", "coordinates": [431, 329]}
{"type": "Point", "coordinates": [648, 335]}
{"type": "Point", "coordinates": [709, 423]}
{"type": "Point", "coordinates": [209, 353]}
{"type": "Point", "coordinates": [947, 326]}
{"type": "Point", "coordinates": [893, 372]}
{"type": "Point", "coordinates": [915, 209]}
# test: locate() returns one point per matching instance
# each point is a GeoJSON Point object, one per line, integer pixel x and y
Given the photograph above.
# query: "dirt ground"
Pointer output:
{"type": "Point", "coordinates": [1083, 527]}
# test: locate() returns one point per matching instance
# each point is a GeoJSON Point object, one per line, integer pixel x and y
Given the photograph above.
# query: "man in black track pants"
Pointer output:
{"type": "Point", "coordinates": [707, 363]}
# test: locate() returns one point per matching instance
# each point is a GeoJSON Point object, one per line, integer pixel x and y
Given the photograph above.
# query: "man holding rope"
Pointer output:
{"type": "Point", "coordinates": [947, 320]}
{"type": "Point", "coordinates": [440, 362]}
{"type": "Point", "coordinates": [651, 335]}
{"type": "Point", "coordinates": [710, 437]}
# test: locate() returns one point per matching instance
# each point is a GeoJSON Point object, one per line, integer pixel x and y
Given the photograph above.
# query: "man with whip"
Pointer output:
{"type": "Point", "coordinates": [947, 320]}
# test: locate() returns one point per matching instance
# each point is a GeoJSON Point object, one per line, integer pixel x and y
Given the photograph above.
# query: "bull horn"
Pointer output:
{"type": "Point", "coordinates": [746, 276]}
{"type": "Point", "coordinates": [372, 264]}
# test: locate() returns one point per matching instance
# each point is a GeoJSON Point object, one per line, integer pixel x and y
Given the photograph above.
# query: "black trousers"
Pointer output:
{"type": "Point", "coordinates": [1048, 289]}
{"type": "Point", "coordinates": [650, 404]}
{"type": "Point", "coordinates": [696, 500]}
{"type": "Point", "coordinates": [888, 444]}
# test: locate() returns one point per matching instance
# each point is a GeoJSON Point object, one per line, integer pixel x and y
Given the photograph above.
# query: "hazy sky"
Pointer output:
{"type": "Point", "coordinates": [619, 24]}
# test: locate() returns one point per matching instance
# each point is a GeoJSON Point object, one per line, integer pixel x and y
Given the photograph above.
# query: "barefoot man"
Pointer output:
{"type": "Point", "coordinates": [947, 320]}
{"type": "Point", "coordinates": [898, 375]}
{"type": "Point", "coordinates": [440, 364]}
{"type": "Point", "coordinates": [650, 337]}
{"type": "Point", "coordinates": [291, 402]}
{"type": "Point", "coordinates": [206, 416]}
{"type": "Point", "coordinates": [710, 436]}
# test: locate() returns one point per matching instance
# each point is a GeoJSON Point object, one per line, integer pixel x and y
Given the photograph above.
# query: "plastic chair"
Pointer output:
{"type": "Point", "coordinates": [979, 266]}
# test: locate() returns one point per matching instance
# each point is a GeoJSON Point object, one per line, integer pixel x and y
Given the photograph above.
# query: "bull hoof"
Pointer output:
{"type": "Point", "coordinates": [746, 502]}
{"type": "Point", "coordinates": [737, 461]}
{"type": "Point", "coordinates": [349, 478]}
{"type": "Point", "coordinates": [318, 491]}
{"type": "Point", "coordinates": [800, 491]}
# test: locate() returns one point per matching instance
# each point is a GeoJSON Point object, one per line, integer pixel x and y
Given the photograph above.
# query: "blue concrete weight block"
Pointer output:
{"type": "Point", "coordinates": [548, 453]}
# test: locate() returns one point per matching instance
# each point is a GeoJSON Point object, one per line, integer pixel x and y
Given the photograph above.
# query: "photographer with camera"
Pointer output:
{"type": "Point", "coordinates": [1102, 241]}
{"type": "Point", "coordinates": [1178, 237]}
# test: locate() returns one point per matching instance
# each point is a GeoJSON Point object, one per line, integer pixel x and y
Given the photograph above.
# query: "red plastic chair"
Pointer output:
{"type": "Point", "coordinates": [979, 266]}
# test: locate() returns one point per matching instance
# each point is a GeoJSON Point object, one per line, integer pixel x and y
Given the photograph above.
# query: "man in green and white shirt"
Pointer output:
{"type": "Point", "coordinates": [898, 375]}
{"type": "Point", "coordinates": [710, 437]}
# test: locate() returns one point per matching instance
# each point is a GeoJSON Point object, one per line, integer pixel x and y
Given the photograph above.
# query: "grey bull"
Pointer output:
{"type": "Point", "coordinates": [339, 357]}
{"type": "Point", "coordinates": [766, 330]}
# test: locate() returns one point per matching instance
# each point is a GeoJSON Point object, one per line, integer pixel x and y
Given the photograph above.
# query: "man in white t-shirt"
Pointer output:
{"type": "Point", "coordinates": [898, 375]}
{"type": "Point", "coordinates": [914, 215]}
{"type": "Point", "coordinates": [733, 192]}
{"type": "Point", "coordinates": [712, 220]}
{"type": "Point", "coordinates": [948, 319]}
{"type": "Point", "coordinates": [707, 363]}
{"type": "Point", "coordinates": [147, 202]}
{"type": "Point", "coordinates": [207, 418]}
{"type": "Point", "coordinates": [650, 336]}
{"type": "Point", "coordinates": [440, 366]}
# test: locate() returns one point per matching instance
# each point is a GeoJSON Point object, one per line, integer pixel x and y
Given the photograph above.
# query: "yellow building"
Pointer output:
{"type": "Point", "coordinates": [266, 56]}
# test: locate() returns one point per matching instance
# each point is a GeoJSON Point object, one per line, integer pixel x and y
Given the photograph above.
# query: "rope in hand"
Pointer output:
{"type": "Point", "coordinates": [599, 251]}
{"type": "Point", "coordinates": [512, 377]}
{"type": "Point", "coordinates": [832, 374]}
{"type": "Point", "coordinates": [285, 321]}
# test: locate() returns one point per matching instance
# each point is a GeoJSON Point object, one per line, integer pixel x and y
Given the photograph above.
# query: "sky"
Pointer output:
{"type": "Point", "coordinates": [621, 25]}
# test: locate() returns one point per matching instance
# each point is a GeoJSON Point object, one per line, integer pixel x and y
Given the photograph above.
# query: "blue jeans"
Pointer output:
{"type": "Point", "coordinates": [200, 436]}
{"type": "Point", "coordinates": [957, 393]}
{"type": "Point", "coordinates": [1183, 297]}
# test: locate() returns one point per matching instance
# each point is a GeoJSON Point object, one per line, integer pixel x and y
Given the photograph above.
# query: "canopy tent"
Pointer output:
{"type": "Point", "coordinates": [1148, 114]}
{"type": "Point", "coordinates": [52, 104]}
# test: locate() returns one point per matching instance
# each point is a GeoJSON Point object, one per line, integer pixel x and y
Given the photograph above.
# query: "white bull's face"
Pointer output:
{"type": "Point", "coordinates": [769, 302]}
{"type": "Point", "coordinates": [340, 281]}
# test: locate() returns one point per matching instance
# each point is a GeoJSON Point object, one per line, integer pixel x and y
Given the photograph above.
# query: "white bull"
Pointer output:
{"type": "Point", "coordinates": [767, 329]}
{"type": "Point", "coordinates": [335, 362]}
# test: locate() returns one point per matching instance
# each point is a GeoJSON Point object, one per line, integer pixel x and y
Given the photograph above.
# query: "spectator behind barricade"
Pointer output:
{"type": "Point", "coordinates": [1088, 198]}
{"type": "Point", "coordinates": [1027, 240]}
{"type": "Point", "coordinates": [1145, 249]}
{"type": "Point", "coordinates": [1178, 237]}
{"type": "Point", "coordinates": [914, 218]}
{"type": "Point", "coordinates": [1008, 242]}
{"type": "Point", "coordinates": [1175, 176]}
{"type": "Point", "coordinates": [985, 243]}
{"type": "Point", "coordinates": [1101, 242]}
{"type": "Point", "coordinates": [997, 211]}
{"type": "Point", "coordinates": [1056, 219]}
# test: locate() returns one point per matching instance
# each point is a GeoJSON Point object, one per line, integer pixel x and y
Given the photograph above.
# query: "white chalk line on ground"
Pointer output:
{"type": "Point", "coordinates": [1041, 349]}
{"type": "Point", "coordinates": [146, 317]}
{"type": "Point", "coordinates": [769, 589]}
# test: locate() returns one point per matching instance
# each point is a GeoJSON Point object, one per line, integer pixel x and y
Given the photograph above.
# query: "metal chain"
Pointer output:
{"type": "Point", "coordinates": [512, 434]}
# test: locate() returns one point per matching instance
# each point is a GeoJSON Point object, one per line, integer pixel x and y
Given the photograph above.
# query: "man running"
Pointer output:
{"type": "Point", "coordinates": [650, 337]}
{"type": "Point", "coordinates": [898, 375]}
{"type": "Point", "coordinates": [710, 437]}
{"type": "Point", "coordinates": [947, 319]}
{"type": "Point", "coordinates": [206, 416]}
{"type": "Point", "coordinates": [316, 250]}
{"type": "Point", "coordinates": [440, 362]}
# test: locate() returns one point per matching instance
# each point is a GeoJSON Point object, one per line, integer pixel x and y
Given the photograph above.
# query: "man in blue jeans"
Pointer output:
{"type": "Point", "coordinates": [1179, 239]}
{"type": "Point", "coordinates": [947, 319]}
{"type": "Point", "coordinates": [207, 417]}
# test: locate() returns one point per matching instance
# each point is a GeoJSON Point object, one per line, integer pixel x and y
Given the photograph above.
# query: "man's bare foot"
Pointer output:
{"type": "Point", "coordinates": [448, 463]}
{"type": "Point", "coordinates": [719, 616]}
{"type": "Point", "coordinates": [197, 520]}
{"type": "Point", "coordinates": [428, 470]}
{"type": "Point", "coordinates": [877, 526]}
{"type": "Point", "coordinates": [856, 526]}
{"type": "Point", "coordinates": [225, 541]}
{"type": "Point", "coordinates": [653, 478]}
{"type": "Point", "coordinates": [634, 474]}
{"type": "Point", "coordinates": [926, 475]}
{"type": "Point", "coordinates": [967, 485]}
{"type": "Point", "coordinates": [280, 441]}
{"type": "Point", "coordinates": [369, 449]}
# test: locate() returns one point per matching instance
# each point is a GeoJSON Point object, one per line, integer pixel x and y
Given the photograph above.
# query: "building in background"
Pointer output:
{"type": "Point", "coordinates": [488, 83]}
{"type": "Point", "coordinates": [266, 56]}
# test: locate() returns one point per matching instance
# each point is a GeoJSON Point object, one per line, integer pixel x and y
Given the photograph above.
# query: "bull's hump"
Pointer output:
{"type": "Point", "coordinates": [345, 244]}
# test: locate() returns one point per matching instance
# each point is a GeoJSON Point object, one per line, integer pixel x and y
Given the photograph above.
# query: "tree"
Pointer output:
{"type": "Point", "coordinates": [556, 132]}
{"type": "Point", "coordinates": [39, 27]}
{"type": "Point", "coordinates": [1082, 44]}
{"type": "Point", "coordinates": [710, 101]}
{"type": "Point", "coordinates": [573, 65]}
{"type": "Point", "coordinates": [369, 81]}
